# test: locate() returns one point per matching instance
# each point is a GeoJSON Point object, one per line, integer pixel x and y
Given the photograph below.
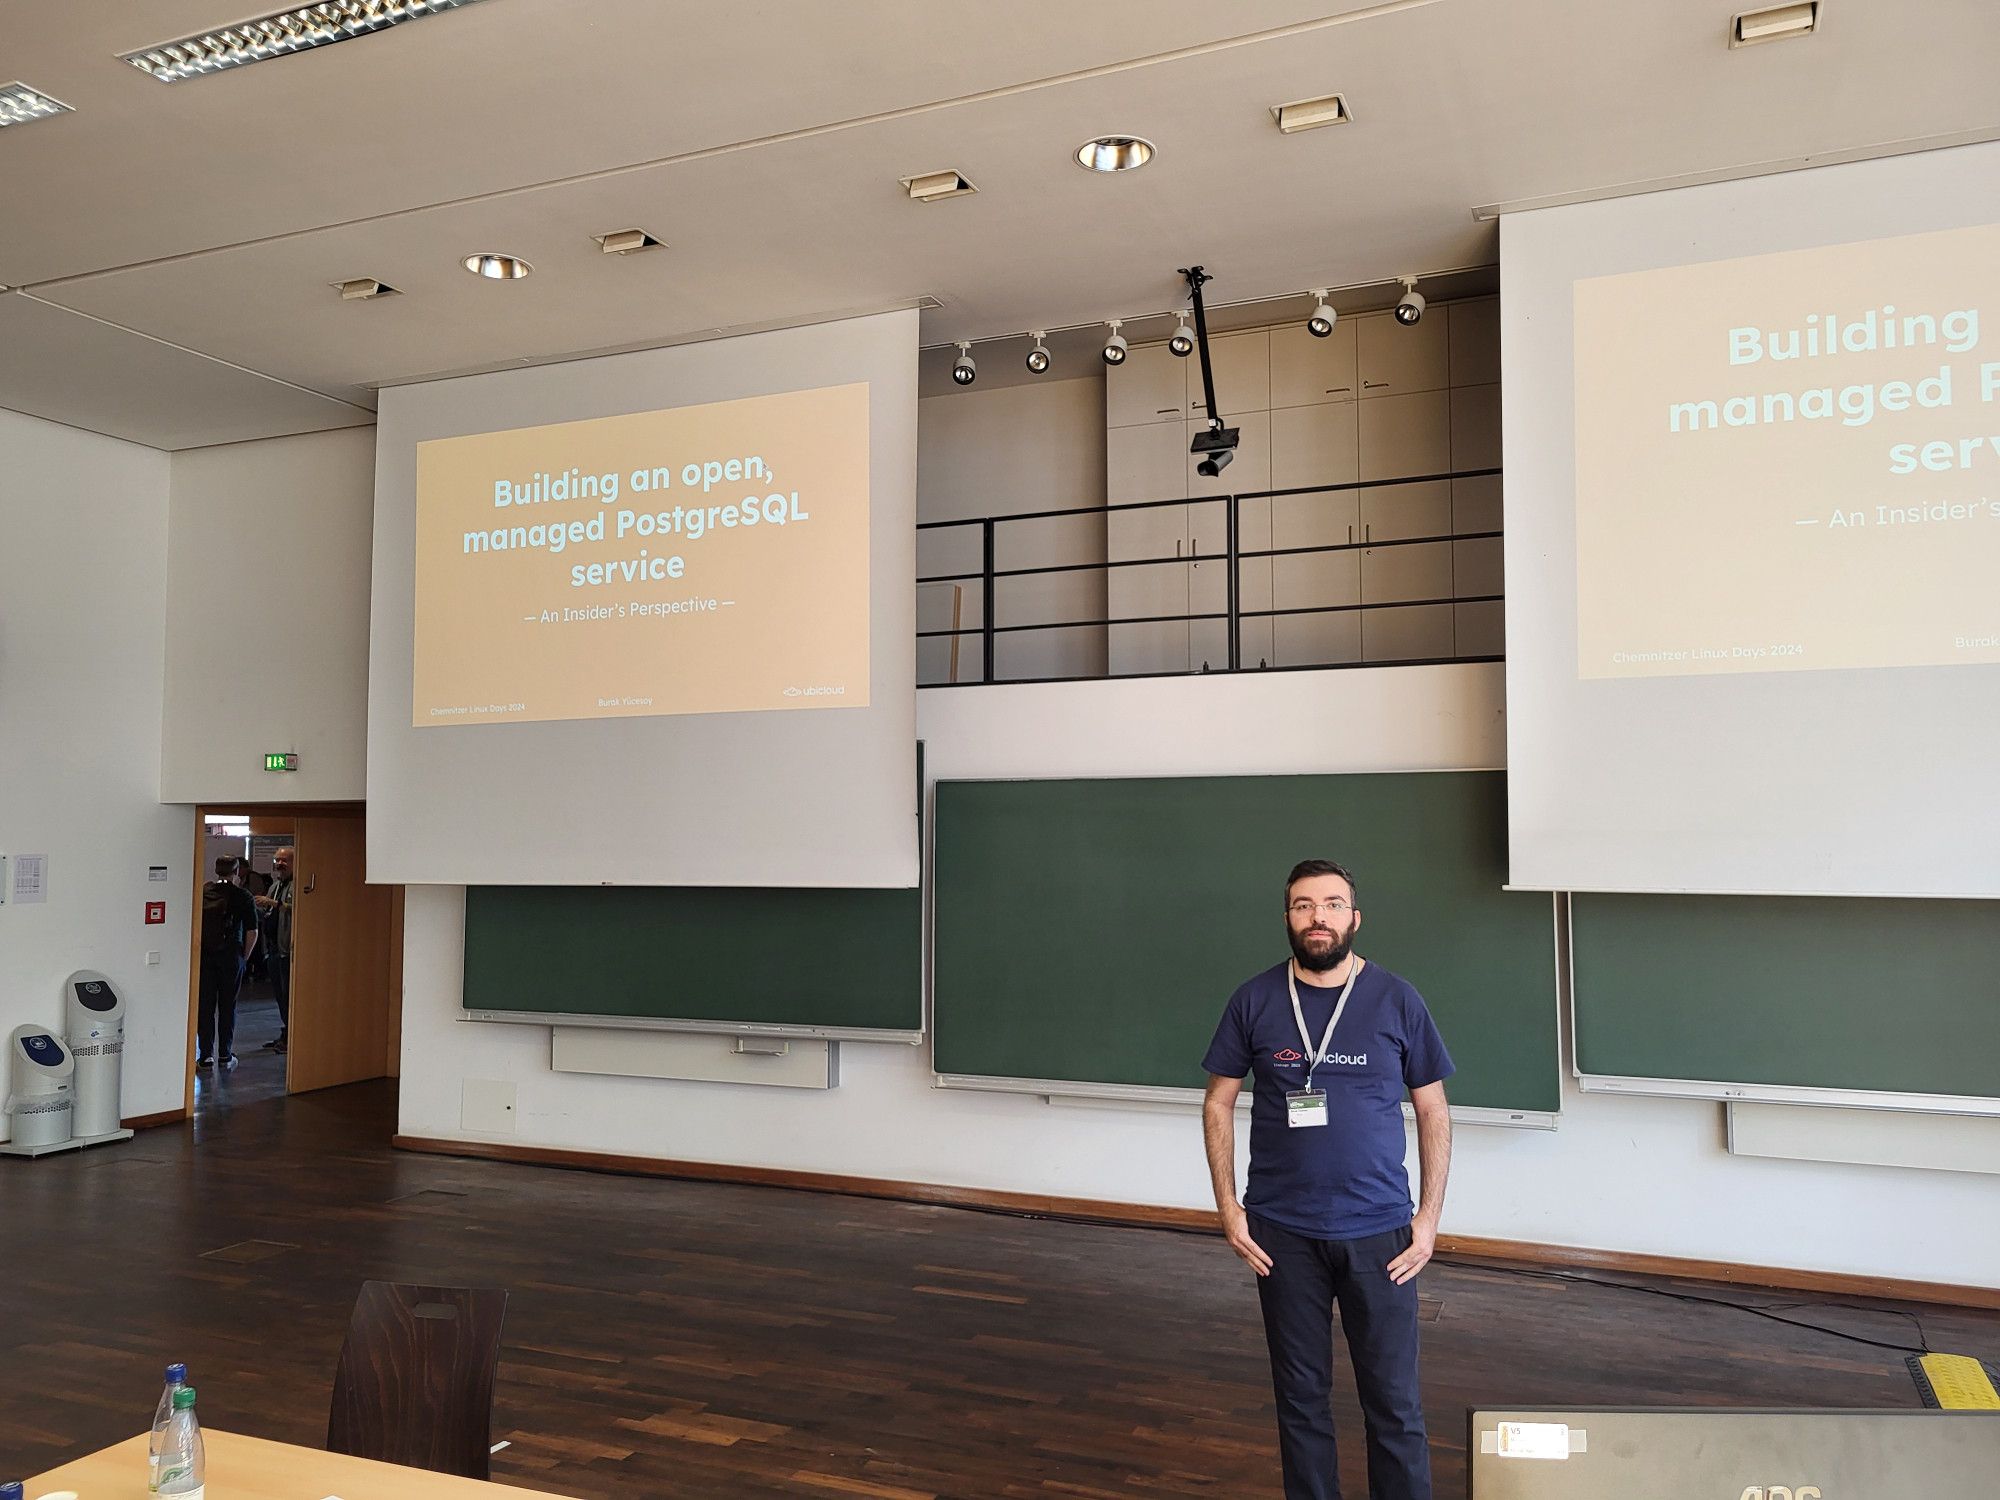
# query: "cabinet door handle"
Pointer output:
{"type": "Point", "coordinates": [1338, 390]}
{"type": "Point", "coordinates": [1167, 411]}
{"type": "Point", "coordinates": [1373, 385]}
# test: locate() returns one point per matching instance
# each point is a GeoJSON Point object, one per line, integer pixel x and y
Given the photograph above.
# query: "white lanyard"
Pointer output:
{"type": "Point", "coordinates": [1315, 1058]}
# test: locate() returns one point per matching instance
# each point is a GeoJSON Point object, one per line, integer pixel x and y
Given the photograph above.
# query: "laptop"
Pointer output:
{"type": "Point", "coordinates": [1630, 1453]}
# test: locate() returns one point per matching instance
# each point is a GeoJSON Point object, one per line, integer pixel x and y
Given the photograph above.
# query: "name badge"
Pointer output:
{"type": "Point", "coordinates": [1305, 1108]}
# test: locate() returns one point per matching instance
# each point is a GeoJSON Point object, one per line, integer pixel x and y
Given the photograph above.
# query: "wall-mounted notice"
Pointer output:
{"type": "Point", "coordinates": [31, 878]}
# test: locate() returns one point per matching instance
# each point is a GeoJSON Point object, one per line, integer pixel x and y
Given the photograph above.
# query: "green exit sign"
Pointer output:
{"type": "Point", "coordinates": [281, 761]}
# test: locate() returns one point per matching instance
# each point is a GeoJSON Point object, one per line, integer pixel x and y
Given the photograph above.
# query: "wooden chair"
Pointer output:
{"type": "Point", "coordinates": [415, 1380]}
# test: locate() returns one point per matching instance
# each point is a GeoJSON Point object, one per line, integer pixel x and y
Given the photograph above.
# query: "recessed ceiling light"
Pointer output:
{"type": "Point", "coordinates": [362, 288]}
{"type": "Point", "coordinates": [497, 267]}
{"type": "Point", "coordinates": [1774, 24]}
{"type": "Point", "coordinates": [933, 186]}
{"type": "Point", "coordinates": [626, 241]}
{"type": "Point", "coordinates": [1310, 114]}
{"type": "Point", "coordinates": [20, 104]}
{"type": "Point", "coordinates": [279, 34]}
{"type": "Point", "coordinates": [1114, 153]}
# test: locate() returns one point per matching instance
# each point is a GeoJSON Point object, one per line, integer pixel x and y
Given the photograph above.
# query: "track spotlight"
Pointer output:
{"type": "Point", "coordinates": [1182, 343]}
{"type": "Point", "coordinates": [965, 371]}
{"type": "Point", "coordinates": [1411, 309]}
{"type": "Point", "coordinates": [1320, 324]}
{"type": "Point", "coordinates": [1038, 357]}
{"type": "Point", "coordinates": [1114, 347]}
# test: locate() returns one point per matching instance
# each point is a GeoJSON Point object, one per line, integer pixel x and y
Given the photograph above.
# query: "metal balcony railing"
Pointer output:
{"type": "Point", "coordinates": [989, 575]}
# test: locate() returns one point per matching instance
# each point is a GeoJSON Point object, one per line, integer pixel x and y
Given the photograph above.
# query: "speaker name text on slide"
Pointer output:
{"type": "Point", "coordinates": [1791, 462]}
{"type": "Point", "coordinates": [701, 559]}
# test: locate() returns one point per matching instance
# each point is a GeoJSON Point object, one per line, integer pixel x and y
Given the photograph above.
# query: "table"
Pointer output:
{"type": "Point", "coordinates": [248, 1468]}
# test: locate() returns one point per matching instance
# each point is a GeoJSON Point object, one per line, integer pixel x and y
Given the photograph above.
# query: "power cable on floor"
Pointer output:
{"type": "Point", "coordinates": [1770, 1310]}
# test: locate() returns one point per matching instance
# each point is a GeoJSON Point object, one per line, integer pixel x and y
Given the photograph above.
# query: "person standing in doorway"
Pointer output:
{"type": "Point", "coordinates": [228, 938]}
{"type": "Point", "coordinates": [258, 884]}
{"type": "Point", "coordinates": [277, 909]}
{"type": "Point", "coordinates": [1334, 1043]}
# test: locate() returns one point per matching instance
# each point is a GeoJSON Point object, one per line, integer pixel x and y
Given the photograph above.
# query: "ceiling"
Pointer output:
{"type": "Point", "coordinates": [171, 250]}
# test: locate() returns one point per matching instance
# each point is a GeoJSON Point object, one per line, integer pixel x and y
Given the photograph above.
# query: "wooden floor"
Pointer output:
{"type": "Point", "coordinates": [258, 1074]}
{"type": "Point", "coordinates": [700, 1340]}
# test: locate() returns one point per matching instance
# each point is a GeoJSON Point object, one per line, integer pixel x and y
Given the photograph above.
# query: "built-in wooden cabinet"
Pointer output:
{"type": "Point", "coordinates": [1395, 360]}
{"type": "Point", "coordinates": [1242, 369]}
{"type": "Point", "coordinates": [1306, 371]}
{"type": "Point", "coordinates": [1151, 386]}
{"type": "Point", "coordinates": [1147, 461]}
{"type": "Point", "coordinates": [1375, 402]}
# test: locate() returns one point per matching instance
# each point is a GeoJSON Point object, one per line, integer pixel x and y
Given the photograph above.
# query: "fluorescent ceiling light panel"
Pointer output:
{"type": "Point", "coordinates": [279, 34]}
{"type": "Point", "coordinates": [19, 104]}
{"type": "Point", "coordinates": [1310, 114]}
{"type": "Point", "coordinates": [1774, 24]}
{"type": "Point", "coordinates": [932, 186]}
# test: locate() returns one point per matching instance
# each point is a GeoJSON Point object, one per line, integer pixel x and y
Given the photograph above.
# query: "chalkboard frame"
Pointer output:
{"type": "Point", "coordinates": [705, 1028]}
{"type": "Point", "coordinates": [1076, 1093]}
{"type": "Point", "coordinates": [1733, 1090]}
{"type": "Point", "coordinates": [910, 980]}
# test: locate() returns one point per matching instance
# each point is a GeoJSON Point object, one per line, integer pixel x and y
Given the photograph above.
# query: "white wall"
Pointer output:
{"type": "Point", "coordinates": [267, 618]}
{"type": "Point", "coordinates": [999, 451]}
{"type": "Point", "coordinates": [83, 581]}
{"type": "Point", "coordinates": [1621, 1173]}
{"type": "Point", "coordinates": [1628, 1174]}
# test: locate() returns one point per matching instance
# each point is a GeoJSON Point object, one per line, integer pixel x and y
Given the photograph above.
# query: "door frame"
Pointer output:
{"type": "Point", "coordinates": [252, 810]}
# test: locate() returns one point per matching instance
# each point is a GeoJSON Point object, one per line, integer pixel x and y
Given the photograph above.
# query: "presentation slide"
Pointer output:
{"type": "Point", "coordinates": [704, 559]}
{"type": "Point", "coordinates": [1752, 489]}
{"type": "Point", "coordinates": [650, 619]}
{"type": "Point", "coordinates": [1791, 462]}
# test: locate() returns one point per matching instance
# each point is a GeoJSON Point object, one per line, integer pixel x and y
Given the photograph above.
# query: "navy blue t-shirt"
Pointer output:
{"type": "Point", "coordinates": [1344, 1179]}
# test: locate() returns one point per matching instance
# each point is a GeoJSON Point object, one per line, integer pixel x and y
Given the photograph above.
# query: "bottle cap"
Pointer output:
{"type": "Point", "coordinates": [177, 1374]}
{"type": "Point", "coordinates": [183, 1401]}
{"type": "Point", "coordinates": [10, 1489]}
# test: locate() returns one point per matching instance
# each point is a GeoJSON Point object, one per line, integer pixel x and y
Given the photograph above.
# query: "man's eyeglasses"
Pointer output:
{"type": "Point", "coordinates": [1305, 908]}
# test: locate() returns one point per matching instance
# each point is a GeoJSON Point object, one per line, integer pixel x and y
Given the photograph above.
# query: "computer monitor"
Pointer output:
{"type": "Point", "coordinates": [1633, 1453]}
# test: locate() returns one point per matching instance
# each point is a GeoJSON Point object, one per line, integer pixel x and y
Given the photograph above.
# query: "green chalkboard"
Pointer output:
{"type": "Point", "coordinates": [1090, 932]}
{"type": "Point", "coordinates": [1791, 992]}
{"type": "Point", "coordinates": [846, 960]}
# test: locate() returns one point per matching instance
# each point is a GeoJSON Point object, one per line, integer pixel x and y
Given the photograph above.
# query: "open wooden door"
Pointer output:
{"type": "Point", "coordinates": [342, 971]}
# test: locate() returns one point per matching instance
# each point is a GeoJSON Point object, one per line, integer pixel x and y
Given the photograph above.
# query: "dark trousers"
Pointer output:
{"type": "Point", "coordinates": [215, 1022]}
{"type": "Point", "coordinates": [1308, 1277]}
{"type": "Point", "coordinates": [281, 986]}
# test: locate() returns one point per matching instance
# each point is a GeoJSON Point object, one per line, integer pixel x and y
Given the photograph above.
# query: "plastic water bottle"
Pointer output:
{"type": "Point", "coordinates": [177, 1376]}
{"type": "Point", "coordinates": [183, 1464]}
